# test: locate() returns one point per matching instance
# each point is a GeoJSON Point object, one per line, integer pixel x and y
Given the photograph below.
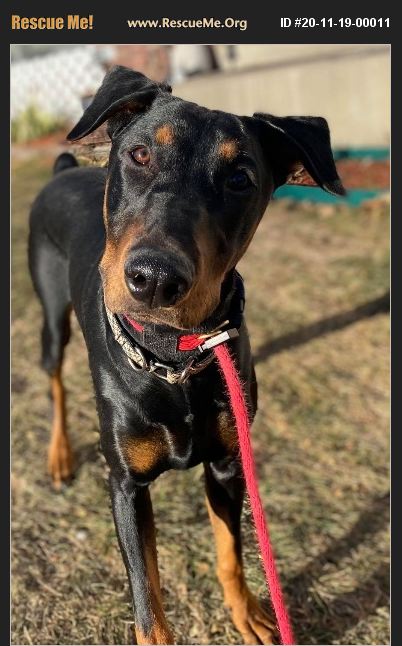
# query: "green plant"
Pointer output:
{"type": "Point", "coordinates": [34, 123]}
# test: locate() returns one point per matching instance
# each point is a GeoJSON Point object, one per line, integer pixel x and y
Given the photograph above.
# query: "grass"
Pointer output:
{"type": "Point", "coordinates": [320, 438]}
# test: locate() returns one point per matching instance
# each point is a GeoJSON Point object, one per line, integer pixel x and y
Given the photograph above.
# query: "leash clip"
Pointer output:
{"type": "Point", "coordinates": [218, 339]}
{"type": "Point", "coordinates": [192, 369]}
{"type": "Point", "coordinates": [156, 366]}
{"type": "Point", "coordinates": [167, 373]}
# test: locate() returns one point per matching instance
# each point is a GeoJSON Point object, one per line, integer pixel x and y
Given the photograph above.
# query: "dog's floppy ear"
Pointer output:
{"type": "Point", "coordinates": [296, 142]}
{"type": "Point", "coordinates": [122, 93]}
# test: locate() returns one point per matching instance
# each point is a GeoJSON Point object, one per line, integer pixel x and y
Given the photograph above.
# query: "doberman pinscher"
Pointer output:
{"type": "Point", "coordinates": [145, 253]}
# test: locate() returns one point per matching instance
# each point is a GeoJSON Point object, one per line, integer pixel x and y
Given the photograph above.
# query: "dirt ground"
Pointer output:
{"type": "Point", "coordinates": [317, 283]}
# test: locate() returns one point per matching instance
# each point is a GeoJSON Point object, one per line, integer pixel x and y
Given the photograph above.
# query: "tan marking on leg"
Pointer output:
{"type": "Point", "coordinates": [157, 635]}
{"type": "Point", "coordinates": [228, 149]}
{"type": "Point", "coordinates": [60, 458]}
{"type": "Point", "coordinates": [250, 619]}
{"type": "Point", "coordinates": [160, 632]}
{"type": "Point", "coordinates": [164, 135]}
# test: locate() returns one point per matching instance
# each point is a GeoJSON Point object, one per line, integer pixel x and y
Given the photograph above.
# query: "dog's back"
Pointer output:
{"type": "Point", "coordinates": [68, 210]}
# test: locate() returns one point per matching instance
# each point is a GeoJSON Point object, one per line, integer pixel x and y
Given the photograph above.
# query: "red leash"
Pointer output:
{"type": "Point", "coordinates": [239, 409]}
{"type": "Point", "coordinates": [240, 413]}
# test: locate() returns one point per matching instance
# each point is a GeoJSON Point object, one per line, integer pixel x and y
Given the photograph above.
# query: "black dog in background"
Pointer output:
{"type": "Point", "coordinates": [145, 253]}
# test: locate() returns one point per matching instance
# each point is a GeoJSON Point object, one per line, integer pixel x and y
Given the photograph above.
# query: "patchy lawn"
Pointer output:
{"type": "Point", "coordinates": [316, 286]}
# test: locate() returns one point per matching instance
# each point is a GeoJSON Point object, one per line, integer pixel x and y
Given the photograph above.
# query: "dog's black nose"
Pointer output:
{"type": "Point", "coordinates": [155, 280]}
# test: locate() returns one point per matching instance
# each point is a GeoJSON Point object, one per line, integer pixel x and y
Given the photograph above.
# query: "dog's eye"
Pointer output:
{"type": "Point", "coordinates": [238, 181]}
{"type": "Point", "coordinates": [142, 155]}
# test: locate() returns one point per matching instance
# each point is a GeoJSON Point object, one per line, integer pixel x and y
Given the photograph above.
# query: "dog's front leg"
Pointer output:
{"type": "Point", "coordinates": [133, 516]}
{"type": "Point", "coordinates": [225, 492]}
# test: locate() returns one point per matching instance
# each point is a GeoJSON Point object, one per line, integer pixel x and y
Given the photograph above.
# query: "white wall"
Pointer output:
{"type": "Point", "coordinates": [349, 86]}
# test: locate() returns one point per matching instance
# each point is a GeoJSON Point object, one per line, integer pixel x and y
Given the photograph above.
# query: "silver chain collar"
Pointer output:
{"type": "Point", "coordinates": [138, 361]}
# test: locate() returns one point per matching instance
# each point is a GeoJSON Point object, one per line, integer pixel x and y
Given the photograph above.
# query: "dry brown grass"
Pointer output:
{"type": "Point", "coordinates": [320, 438]}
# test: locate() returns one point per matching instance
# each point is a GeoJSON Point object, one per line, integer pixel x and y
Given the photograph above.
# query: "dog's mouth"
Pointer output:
{"type": "Point", "coordinates": [199, 305]}
{"type": "Point", "coordinates": [139, 319]}
{"type": "Point", "coordinates": [185, 315]}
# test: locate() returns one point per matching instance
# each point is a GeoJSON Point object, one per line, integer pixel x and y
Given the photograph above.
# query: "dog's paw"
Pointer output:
{"type": "Point", "coordinates": [253, 622]}
{"type": "Point", "coordinates": [60, 462]}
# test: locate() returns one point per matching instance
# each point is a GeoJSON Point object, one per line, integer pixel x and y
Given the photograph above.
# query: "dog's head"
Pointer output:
{"type": "Point", "coordinates": [186, 189]}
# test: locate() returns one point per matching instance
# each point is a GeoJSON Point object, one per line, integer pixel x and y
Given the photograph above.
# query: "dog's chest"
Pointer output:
{"type": "Point", "coordinates": [199, 436]}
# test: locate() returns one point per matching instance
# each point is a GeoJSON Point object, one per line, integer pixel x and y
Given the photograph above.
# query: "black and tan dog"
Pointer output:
{"type": "Point", "coordinates": [145, 253]}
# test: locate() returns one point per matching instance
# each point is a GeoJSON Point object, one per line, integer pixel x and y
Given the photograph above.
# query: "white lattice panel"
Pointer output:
{"type": "Point", "coordinates": [56, 82]}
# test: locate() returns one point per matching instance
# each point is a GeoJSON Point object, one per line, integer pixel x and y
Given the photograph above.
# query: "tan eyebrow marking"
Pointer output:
{"type": "Point", "coordinates": [228, 149]}
{"type": "Point", "coordinates": [164, 134]}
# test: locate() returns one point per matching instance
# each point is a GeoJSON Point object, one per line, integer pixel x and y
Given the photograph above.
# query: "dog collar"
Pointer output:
{"type": "Point", "coordinates": [192, 351]}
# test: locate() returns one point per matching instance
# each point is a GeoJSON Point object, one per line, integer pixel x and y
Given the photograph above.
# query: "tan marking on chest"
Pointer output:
{"type": "Point", "coordinates": [226, 431]}
{"type": "Point", "coordinates": [164, 135]}
{"type": "Point", "coordinates": [144, 453]}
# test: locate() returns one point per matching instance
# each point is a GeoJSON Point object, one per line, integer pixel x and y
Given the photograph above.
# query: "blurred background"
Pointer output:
{"type": "Point", "coordinates": [348, 85]}
{"type": "Point", "coordinates": [317, 282]}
